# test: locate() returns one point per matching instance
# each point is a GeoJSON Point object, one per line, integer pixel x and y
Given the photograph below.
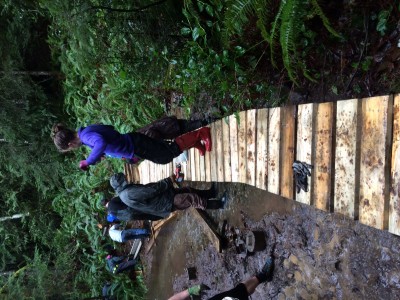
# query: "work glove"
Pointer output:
{"type": "Point", "coordinates": [300, 172]}
{"type": "Point", "coordinates": [195, 290]}
{"type": "Point", "coordinates": [83, 165]}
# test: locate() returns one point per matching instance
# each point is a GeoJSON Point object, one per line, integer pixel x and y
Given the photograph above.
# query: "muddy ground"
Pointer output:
{"type": "Point", "coordinates": [317, 255]}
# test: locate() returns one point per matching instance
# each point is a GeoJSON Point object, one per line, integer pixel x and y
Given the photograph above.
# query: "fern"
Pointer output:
{"type": "Point", "coordinates": [288, 35]}
{"type": "Point", "coordinates": [263, 16]}
{"type": "Point", "coordinates": [237, 14]}
{"type": "Point", "coordinates": [274, 27]}
{"type": "Point", "coordinates": [318, 11]}
{"type": "Point", "coordinates": [277, 27]}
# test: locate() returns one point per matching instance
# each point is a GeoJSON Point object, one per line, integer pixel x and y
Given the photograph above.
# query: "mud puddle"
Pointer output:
{"type": "Point", "coordinates": [317, 255]}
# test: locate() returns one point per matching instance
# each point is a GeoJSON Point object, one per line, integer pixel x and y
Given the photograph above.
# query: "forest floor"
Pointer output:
{"type": "Point", "coordinates": [318, 255]}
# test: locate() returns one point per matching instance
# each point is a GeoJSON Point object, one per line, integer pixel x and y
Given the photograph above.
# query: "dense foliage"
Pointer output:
{"type": "Point", "coordinates": [122, 63]}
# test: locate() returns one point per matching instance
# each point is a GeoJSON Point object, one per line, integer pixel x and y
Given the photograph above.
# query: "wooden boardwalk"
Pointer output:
{"type": "Point", "coordinates": [354, 146]}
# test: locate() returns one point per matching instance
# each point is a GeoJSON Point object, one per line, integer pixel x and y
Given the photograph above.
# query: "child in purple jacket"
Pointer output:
{"type": "Point", "coordinates": [105, 140]}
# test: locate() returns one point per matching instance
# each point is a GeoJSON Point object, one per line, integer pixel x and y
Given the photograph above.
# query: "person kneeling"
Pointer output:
{"type": "Point", "coordinates": [161, 198]}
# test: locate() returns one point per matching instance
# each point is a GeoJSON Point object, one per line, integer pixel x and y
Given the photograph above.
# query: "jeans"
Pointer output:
{"type": "Point", "coordinates": [134, 233]}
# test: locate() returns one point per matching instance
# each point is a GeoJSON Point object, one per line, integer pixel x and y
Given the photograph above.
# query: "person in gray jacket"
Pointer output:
{"type": "Point", "coordinates": [161, 198]}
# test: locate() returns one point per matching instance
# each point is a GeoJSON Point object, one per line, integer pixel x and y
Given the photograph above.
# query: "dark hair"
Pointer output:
{"type": "Point", "coordinates": [62, 136]}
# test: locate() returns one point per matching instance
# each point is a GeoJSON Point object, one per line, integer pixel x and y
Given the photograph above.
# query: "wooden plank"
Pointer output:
{"type": "Point", "coordinates": [142, 172]}
{"type": "Point", "coordinates": [207, 227]}
{"type": "Point", "coordinates": [156, 228]}
{"type": "Point", "coordinates": [242, 147]}
{"type": "Point", "coordinates": [394, 205]}
{"type": "Point", "coordinates": [171, 169]}
{"type": "Point", "coordinates": [207, 158]}
{"type": "Point", "coordinates": [226, 150]}
{"type": "Point", "coordinates": [287, 151]}
{"type": "Point", "coordinates": [193, 164]}
{"type": "Point", "coordinates": [202, 167]}
{"type": "Point", "coordinates": [346, 157]}
{"type": "Point", "coordinates": [197, 164]}
{"type": "Point", "coordinates": [188, 175]}
{"type": "Point", "coordinates": [305, 115]}
{"type": "Point", "coordinates": [233, 138]}
{"type": "Point", "coordinates": [262, 144]}
{"type": "Point", "coordinates": [372, 163]}
{"type": "Point", "coordinates": [323, 156]}
{"type": "Point", "coordinates": [219, 151]}
{"type": "Point", "coordinates": [251, 147]}
{"type": "Point", "coordinates": [213, 154]}
{"type": "Point", "coordinates": [158, 224]}
{"type": "Point", "coordinates": [184, 169]}
{"type": "Point", "coordinates": [274, 140]}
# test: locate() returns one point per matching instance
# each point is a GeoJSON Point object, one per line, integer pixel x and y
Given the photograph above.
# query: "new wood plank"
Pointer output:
{"type": "Point", "coordinates": [394, 205]}
{"type": "Point", "coordinates": [372, 163]}
{"type": "Point", "coordinates": [144, 172]}
{"type": "Point", "coordinates": [170, 169]}
{"type": "Point", "coordinates": [323, 156]}
{"type": "Point", "coordinates": [305, 115]}
{"type": "Point", "coordinates": [193, 164]}
{"type": "Point", "coordinates": [251, 146]}
{"type": "Point", "coordinates": [346, 157]}
{"type": "Point", "coordinates": [226, 145]}
{"type": "Point", "coordinates": [188, 175]}
{"type": "Point", "coordinates": [242, 147]}
{"type": "Point", "coordinates": [202, 167]}
{"type": "Point", "coordinates": [262, 144]}
{"type": "Point", "coordinates": [184, 169]}
{"type": "Point", "coordinates": [233, 137]}
{"type": "Point", "coordinates": [213, 154]}
{"type": "Point", "coordinates": [287, 151]}
{"type": "Point", "coordinates": [274, 140]}
{"type": "Point", "coordinates": [207, 158]}
{"type": "Point", "coordinates": [219, 151]}
{"type": "Point", "coordinates": [197, 164]}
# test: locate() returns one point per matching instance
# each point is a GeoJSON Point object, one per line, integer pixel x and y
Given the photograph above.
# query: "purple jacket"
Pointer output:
{"type": "Point", "coordinates": [104, 139]}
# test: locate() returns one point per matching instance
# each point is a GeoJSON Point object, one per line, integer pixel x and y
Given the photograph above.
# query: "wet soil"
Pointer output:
{"type": "Point", "coordinates": [318, 255]}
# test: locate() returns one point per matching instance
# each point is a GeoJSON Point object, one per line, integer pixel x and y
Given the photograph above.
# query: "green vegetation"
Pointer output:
{"type": "Point", "coordinates": [121, 62]}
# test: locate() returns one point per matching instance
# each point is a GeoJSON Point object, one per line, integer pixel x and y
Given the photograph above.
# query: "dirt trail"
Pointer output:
{"type": "Point", "coordinates": [317, 255]}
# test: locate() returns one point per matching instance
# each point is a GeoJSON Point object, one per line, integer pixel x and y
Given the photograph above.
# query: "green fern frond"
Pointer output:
{"type": "Point", "coordinates": [262, 9]}
{"type": "Point", "coordinates": [237, 14]}
{"type": "Point", "coordinates": [274, 31]}
{"type": "Point", "coordinates": [288, 34]}
{"type": "Point", "coordinates": [318, 11]}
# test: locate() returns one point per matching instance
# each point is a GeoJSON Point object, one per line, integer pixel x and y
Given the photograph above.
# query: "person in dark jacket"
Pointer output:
{"type": "Point", "coordinates": [161, 198]}
{"type": "Point", "coordinates": [118, 264]}
{"type": "Point", "coordinates": [170, 127]}
{"type": "Point", "coordinates": [105, 140]}
{"type": "Point", "coordinates": [119, 211]}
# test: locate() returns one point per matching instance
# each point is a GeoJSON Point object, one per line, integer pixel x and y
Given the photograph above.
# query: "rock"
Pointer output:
{"type": "Point", "coordinates": [294, 259]}
{"type": "Point", "coordinates": [298, 276]}
{"type": "Point", "coordinates": [286, 263]}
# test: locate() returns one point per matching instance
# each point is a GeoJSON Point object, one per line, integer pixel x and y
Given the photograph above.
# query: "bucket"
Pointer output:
{"type": "Point", "coordinates": [255, 241]}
